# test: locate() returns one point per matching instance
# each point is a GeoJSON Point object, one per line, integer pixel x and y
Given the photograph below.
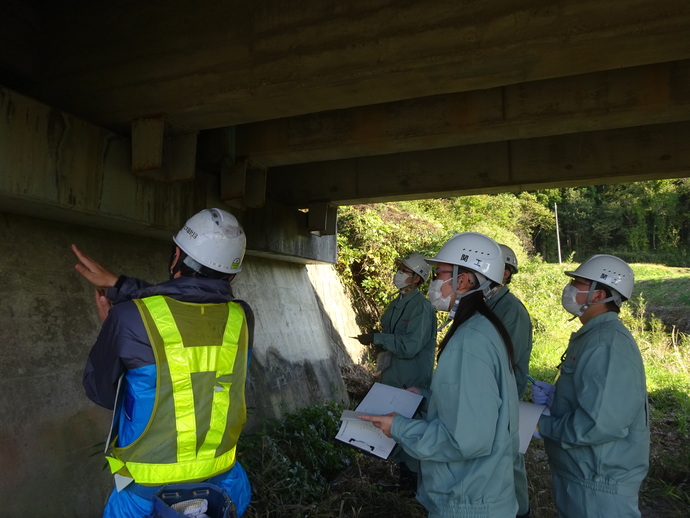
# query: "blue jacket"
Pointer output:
{"type": "Point", "coordinates": [409, 332]}
{"type": "Point", "coordinates": [598, 433]}
{"type": "Point", "coordinates": [469, 439]}
{"type": "Point", "coordinates": [123, 348]}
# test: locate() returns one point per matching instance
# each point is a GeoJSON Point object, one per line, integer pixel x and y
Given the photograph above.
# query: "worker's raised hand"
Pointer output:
{"type": "Point", "coordinates": [94, 272]}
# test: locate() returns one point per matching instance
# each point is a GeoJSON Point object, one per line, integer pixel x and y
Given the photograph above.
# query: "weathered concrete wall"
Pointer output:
{"type": "Point", "coordinates": [56, 166]}
{"type": "Point", "coordinates": [49, 429]}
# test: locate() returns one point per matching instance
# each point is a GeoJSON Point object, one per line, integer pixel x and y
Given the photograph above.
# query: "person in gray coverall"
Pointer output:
{"type": "Point", "coordinates": [407, 344]}
{"type": "Point", "coordinates": [597, 433]}
{"type": "Point", "coordinates": [408, 336]}
{"type": "Point", "coordinates": [515, 317]}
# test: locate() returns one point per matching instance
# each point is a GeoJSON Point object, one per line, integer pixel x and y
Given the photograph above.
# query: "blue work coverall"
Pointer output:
{"type": "Point", "coordinates": [409, 332]}
{"type": "Point", "coordinates": [123, 347]}
{"type": "Point", "coordinates": [515, 317]}
{"type": "Point", "coordinates": [597, 436]}
{"type": "Point", "coordinates": [469, 439]}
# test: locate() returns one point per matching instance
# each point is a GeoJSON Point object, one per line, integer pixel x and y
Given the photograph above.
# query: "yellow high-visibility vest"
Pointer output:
{"type": "Point", "coordinates": [199, 409]}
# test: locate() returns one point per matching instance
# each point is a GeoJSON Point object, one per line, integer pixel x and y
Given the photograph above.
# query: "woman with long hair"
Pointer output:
{"type": "Point", "coordinates": [468, 440]}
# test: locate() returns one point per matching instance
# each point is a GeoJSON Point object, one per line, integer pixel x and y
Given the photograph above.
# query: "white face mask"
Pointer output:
{"type": "Point", "coordinates": [569, 302]}
{"type": "Point", "coordinates": [436, 298]}
{"type": "Point", "coordinates": [400, 279]}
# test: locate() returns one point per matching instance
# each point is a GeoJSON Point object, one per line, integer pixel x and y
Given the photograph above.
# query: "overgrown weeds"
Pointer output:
{"type": "Point", "coordinates": [298, 469]}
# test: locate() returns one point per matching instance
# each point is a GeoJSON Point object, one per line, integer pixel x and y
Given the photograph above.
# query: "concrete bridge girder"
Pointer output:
{"type": "Point", "coordinates": [650, 94]}
{"type": "Point", "coordinates": [620, 155]}
{"type": "Point", "coordinates": [58, 167]}
{"type": "Point", "coordinates": [222, 64]}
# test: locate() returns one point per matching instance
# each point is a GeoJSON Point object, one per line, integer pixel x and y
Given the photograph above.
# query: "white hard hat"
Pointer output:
{"type": "Point", "coordinates": [475, 252]}
{"type": "Point", "coordinates": [214, 239]}
{"type": "Point", "coordinates": [509, 256]}
{"type": "Point", "coordinates": [417, 263]}
{"type": "Point", "coordinates": [608, 270]}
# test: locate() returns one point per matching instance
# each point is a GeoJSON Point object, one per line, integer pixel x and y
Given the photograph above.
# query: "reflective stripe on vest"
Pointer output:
{"type": "Point", "coordinates": [182, 443]}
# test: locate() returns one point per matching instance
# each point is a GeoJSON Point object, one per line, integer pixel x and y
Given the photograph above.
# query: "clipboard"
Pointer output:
{"type": "Point", "coordinates": [380, 400]}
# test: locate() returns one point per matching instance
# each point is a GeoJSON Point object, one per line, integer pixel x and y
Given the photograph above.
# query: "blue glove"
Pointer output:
{"type": "Point", "coordinates": [542, 393]}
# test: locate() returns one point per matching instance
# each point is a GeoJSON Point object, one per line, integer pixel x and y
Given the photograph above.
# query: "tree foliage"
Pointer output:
{"type": "Point", "coordinates": [372, 237]}
{"type": "Point", "coordinates": [639, 222]}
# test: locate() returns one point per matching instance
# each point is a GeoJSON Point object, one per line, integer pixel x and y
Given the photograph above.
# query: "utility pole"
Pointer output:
{"type": "Point", "coordinates": [558, 238]}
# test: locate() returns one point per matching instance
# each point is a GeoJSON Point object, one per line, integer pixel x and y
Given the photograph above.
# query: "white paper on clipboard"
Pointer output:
{"type": "Point", "coordinates": [380, 400]}
{"type": "Point", "coordinates": [528, 419]}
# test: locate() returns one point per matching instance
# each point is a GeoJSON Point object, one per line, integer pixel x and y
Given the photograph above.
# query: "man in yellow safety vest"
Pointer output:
{"type": "Point", "coordinates": [171, 361]}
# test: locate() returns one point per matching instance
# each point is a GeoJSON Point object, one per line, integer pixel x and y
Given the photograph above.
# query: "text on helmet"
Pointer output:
{"type": "Point", "coordinates": [192, 233]}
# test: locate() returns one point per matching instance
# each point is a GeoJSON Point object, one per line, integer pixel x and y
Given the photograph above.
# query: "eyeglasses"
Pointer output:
{"type": "Point", "coordinates": [438, 272]}
{"type": "Point", "coordinates": [575, 282]}
{"type": "Point", "coordinates": [405, 271]}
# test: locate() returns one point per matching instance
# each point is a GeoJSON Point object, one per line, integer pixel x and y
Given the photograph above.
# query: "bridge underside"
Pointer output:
{"type": "Point", "coordinates": [272, 108]}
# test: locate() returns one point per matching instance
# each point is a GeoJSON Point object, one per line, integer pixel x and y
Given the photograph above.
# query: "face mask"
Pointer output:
{"type": "Point", "coordinates": [436, 298]}
{"type": "Point", "coordinates": [569, 303]}
{"type": "Point", "coordinates": [400, 279]}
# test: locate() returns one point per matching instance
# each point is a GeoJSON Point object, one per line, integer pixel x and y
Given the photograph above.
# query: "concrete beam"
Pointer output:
{"type": "Point", "coordinates": [226, 63]}
{"type": "Point", "coordinates": [55, 166]}
{"type": "Point", "coordinates": [163, 152]}
{"type": "Point", "coordinates": [622, 155]}
{"type": "Point", "coordinates": [650, 94]}
{"type": "Point", "coordinates": [281, 232]}
{"type": "Point", "coordinates": [322, 219]}
{"type": "Point", "coordinates": [243, 184]}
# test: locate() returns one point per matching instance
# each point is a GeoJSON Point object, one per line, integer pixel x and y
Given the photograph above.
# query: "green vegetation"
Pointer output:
{"type": "Point", "coordinates": [641, 222]}
{"type": "Point", "coordinates": [298, 469]}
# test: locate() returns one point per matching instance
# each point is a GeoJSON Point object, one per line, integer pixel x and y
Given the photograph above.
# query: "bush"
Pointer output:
{"type": "Point", "coordinates": [291, 462]}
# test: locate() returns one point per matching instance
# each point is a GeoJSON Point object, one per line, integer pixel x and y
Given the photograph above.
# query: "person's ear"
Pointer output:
{"type": "Point", "coordinates": [174, 259]}
{"type": "Point", "coordinates": [598, 295]}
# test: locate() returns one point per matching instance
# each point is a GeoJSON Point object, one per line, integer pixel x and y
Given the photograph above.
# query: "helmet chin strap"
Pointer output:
{"type": "Point", "coordinates": [615, 298]}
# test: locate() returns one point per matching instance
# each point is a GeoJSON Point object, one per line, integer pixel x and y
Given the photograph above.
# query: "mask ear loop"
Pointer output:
{"type": "Point", "coordinates": [586, 305]}
{"type": "Point", "coordinates": [456, 304]}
